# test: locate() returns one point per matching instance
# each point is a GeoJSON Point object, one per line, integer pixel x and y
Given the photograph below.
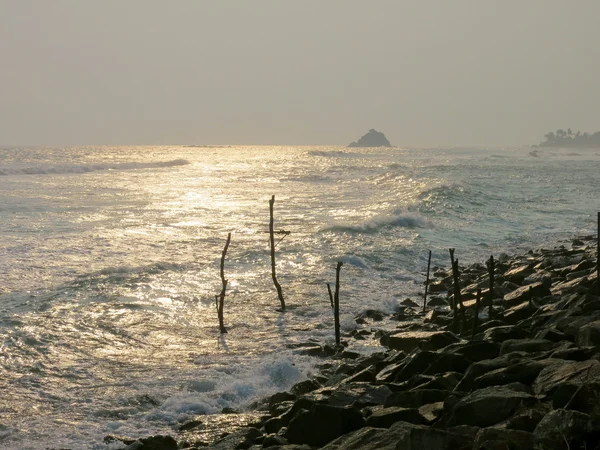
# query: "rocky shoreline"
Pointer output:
{"type": "Point", "coordinates": [527, 378]}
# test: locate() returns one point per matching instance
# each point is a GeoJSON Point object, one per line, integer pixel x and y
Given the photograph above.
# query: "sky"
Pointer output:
{"type": "Point", "coordinates": [310, 72]}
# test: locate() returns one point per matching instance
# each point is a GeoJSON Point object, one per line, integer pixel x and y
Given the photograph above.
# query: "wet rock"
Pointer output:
{"type": "Point", "coordinates": [154, 443]}
{"type": "Point", "coordinates": [589, 335]}
{"type": "Point", "coordinates": [357, 394]}
{"type": "Point", "coordinates": [322, 423]}
{"type": "Point", "coordinates": [524, 372]}
{"type": "Point", "coordinates": [502, 333]}
{"type": "Point", "coordinates": [571, 429]}
{"type": "Point", "coordinates": [272, 440]}
{"type": "Point", "coordinates": [523, 293]}
{"type": "Point", "coordinates": [502, 438]}
{"type": "Point", "coordinates": [488, 406]}
{"type": "Point", "coordinates": [241, 439]}
{"type": "Point", "coordinates": [417, 397]}
{"type": "Point", "coordinates": [381, 417]}
{"type": "Point", "coordinates": [304, 387]}
{"type": "Point", "coordinates": [527, 419]}
{"type": "Point", "coordinates": [410, 303]}
{"type": "Point", "coordinates": [527, 346]}
{"type": "Point", "coordinates": [553, 377]}
{"type": "Point", "coordinates": [401, 435]}
{"type": "Point", "coordinates": [475, 350]}
{"type": "Point", "coordinates": [426, 340]}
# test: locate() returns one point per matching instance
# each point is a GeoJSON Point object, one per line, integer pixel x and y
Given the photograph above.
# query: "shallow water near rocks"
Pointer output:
{"type": "Point", "coordinates": [109, 261]}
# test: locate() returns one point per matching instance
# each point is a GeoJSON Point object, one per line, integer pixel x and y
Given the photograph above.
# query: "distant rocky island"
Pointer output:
{"type": "Point", "coordinates": [568, 139]}
{"type": "Point", "coordinates": [373, 138]}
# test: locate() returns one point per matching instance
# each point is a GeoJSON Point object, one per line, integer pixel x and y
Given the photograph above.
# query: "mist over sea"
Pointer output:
{"type": "Point", "coordinates": [109, 260]}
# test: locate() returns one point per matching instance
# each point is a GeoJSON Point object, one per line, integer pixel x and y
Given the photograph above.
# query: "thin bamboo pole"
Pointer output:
{"type": "Point", "coordinates": [221, 296]}
{"type": "Point", "coordinates": [272, 242]}
{"type": "Point", "coordinates": [336, 303]}
{"type": "Point", "coordinates": [427, 282]}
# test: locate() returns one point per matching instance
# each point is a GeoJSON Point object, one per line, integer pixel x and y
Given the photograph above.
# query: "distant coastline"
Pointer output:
{"type": "Point", "coordinates": [568, 139]}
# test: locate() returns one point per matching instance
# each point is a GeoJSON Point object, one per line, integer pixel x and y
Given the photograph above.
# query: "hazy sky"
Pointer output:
{"type": "Point", "coordinates": [425, 73]}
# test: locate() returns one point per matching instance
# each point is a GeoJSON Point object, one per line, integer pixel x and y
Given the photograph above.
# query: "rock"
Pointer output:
{"type": "Point", "coordinates": [527, 419]}
{"type": "Point", "coordinates": [373, 138]}
{"type": "Point", "coordinates": [401, 435]}
{"type": "Point", "coordinates": [523, 293]}
{"type": "Point", "coordinates": [573, 373]}
{"type": "Point", "coordinates": [417, 397]}
{"type": "Point", "coordinates": [519, 312]}
{"type": "Point", "coordinates": [480, 368]}
{"type": "Point", "coordinates": [240, 439]}
{"type": "Point", "coordinates": [488, 406]}
{"type": "Point", "coordinates": [304, 387]}
{"type": "Point", "coordinates": [526, 345]}
{"type": "Point", "coordinates": [524, 372]}
{"type": "Point", "coordinates": [431, 411]}
{"type": "Point", "coordinates": [426, 340]}
{"type": "Point", "coordinates": [551, 334]}
{"type": "Point", "coordinates": [560, 428]}
{"type": "Point", "coordinates": [410, 303]}
{"type": "Point", "coordinates": [154, 443]}
{"type": "Point", "coordinates": [501, 438]}
{"type": "Point", "coordinates": [475, 350]}
{"type": "Point", "coordinates": [518, 274]}
{"type": "Point", "coordinates": [589, 335]}
{"type": "Point", "coordinates": [381, 417]}
{"type": "Point", "coordinates": [502, 333]}
{"type": "Point", "coordinates": [322, 423]}
{"type": "Point", "coordinates": [272, 440]}
{"type": "Point", "coordinates": [358, 394]}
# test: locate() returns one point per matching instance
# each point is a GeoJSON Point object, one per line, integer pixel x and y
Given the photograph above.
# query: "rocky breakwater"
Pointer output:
{"type": "Point", "coordinates": [528, 378]}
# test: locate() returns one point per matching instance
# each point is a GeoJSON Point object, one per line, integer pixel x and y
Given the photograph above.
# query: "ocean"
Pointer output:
{"type": "Point", "coordinates": [109, 266]}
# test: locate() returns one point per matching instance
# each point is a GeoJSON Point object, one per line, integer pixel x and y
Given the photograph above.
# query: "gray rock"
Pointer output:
{"type": "Point", "coordinates": [502, 438]}
{"type": "Point", "coordinates": [426, 340]}
{"type": "Point", "coordinates": [589, 335]}
{"type": "Point", "coordinates": [488, 406]}
{"type": "Point", "coordinates": [502, 333]}
{"type": "Point", "coordinates": [154, 443]}
{"type": "Point", "coordinates": [322, 423]}
{"type": "Point", "coordinates": [562, 428]}
{"type": "Point", "coordinates": [522, 294]}
{"type": "Point", "coordinates": [526, 345]}
{"type": "Point", "coordinates": [381, 417]}
{"type": "Point", "coordinates": [401, 435]}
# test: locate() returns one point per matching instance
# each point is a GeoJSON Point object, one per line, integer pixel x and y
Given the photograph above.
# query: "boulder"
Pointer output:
{"type": "Point", "coordinates": [589, 335]}
{"type": "Point", "coordinates": [322, 423]}
{"type": "Point", "coordinates": [561, 429]}
{"type": "Point", "coordinates": [489, 406]}
{"type": "Point", "coordinates": [527, 346]}
{"type": "Point", "coordinates": [381, 417]}
{"type": "Point", "coordinates": [475, 350]}
{"type": "Point", "coordinates": [401, 435]}
{"type": "Point", "coordinates": [417, 397]}
{"type": "Point", "coordinates": [502, 438]}
{"type": "Point", "coordinates": [154, 443]}
{"type": "Point", "coordinates": [426, 340]}
{"type": "Point", "coordinates": [357, 394]}
{"type": "Point", "coordinates": [523, 293]}
{"type": "Point", "coordinates": [240, 439]}
{"type": "Point", "coordinates": [502, 333]}
{"type": "Point", "coordinates": [521, 372]}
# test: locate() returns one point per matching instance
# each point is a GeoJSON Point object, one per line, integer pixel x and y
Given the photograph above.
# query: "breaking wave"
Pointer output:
{"type": "Point", "coordinates": [86, 168]}
{"type": "Point", "coordinates": [396, 218]}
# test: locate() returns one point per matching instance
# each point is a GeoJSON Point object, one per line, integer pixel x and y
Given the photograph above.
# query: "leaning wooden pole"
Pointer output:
{"type": "Point", "coordinates": [598, 257]}
{"type": "Point", "coordinates": [336, 303]}
{"type": "Point", "coordinates": [427, 282]}
{"type": "Point", "coordinates": [476, 316]}
{"type": "Point", "coordinates": [272, 242]}
{"type": "Point", "coordinates": [221, 296]}
{"type": "Point", "coordinates": [491, 269]}
{"type": "Point", "coordinates": [454, 297]}
{"type": "Point", "coordinates": [330, 295]}
{"type": "Point", "coordinates": [457, 297]}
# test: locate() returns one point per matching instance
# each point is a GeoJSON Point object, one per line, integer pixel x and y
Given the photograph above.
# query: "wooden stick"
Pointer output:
{"type": "Point", "coordinates": [272, 242]}
{"type": "Point", "coordinates": [598, 257]}
{"type": "Point", "coordinates": [221, 296]}
{"type": "Point", "coordinates": [491, 268]}
{"type": "Point", "coordinates": [458, 299]}
{"type": "Point", "coordinates": [336, 303]}
{"type": "Point", "coordinates": [476, 316]}
{"type": "Point", "coordinates": [427, 282]}
{"type": "Point", "coordinates": [330, 295]}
